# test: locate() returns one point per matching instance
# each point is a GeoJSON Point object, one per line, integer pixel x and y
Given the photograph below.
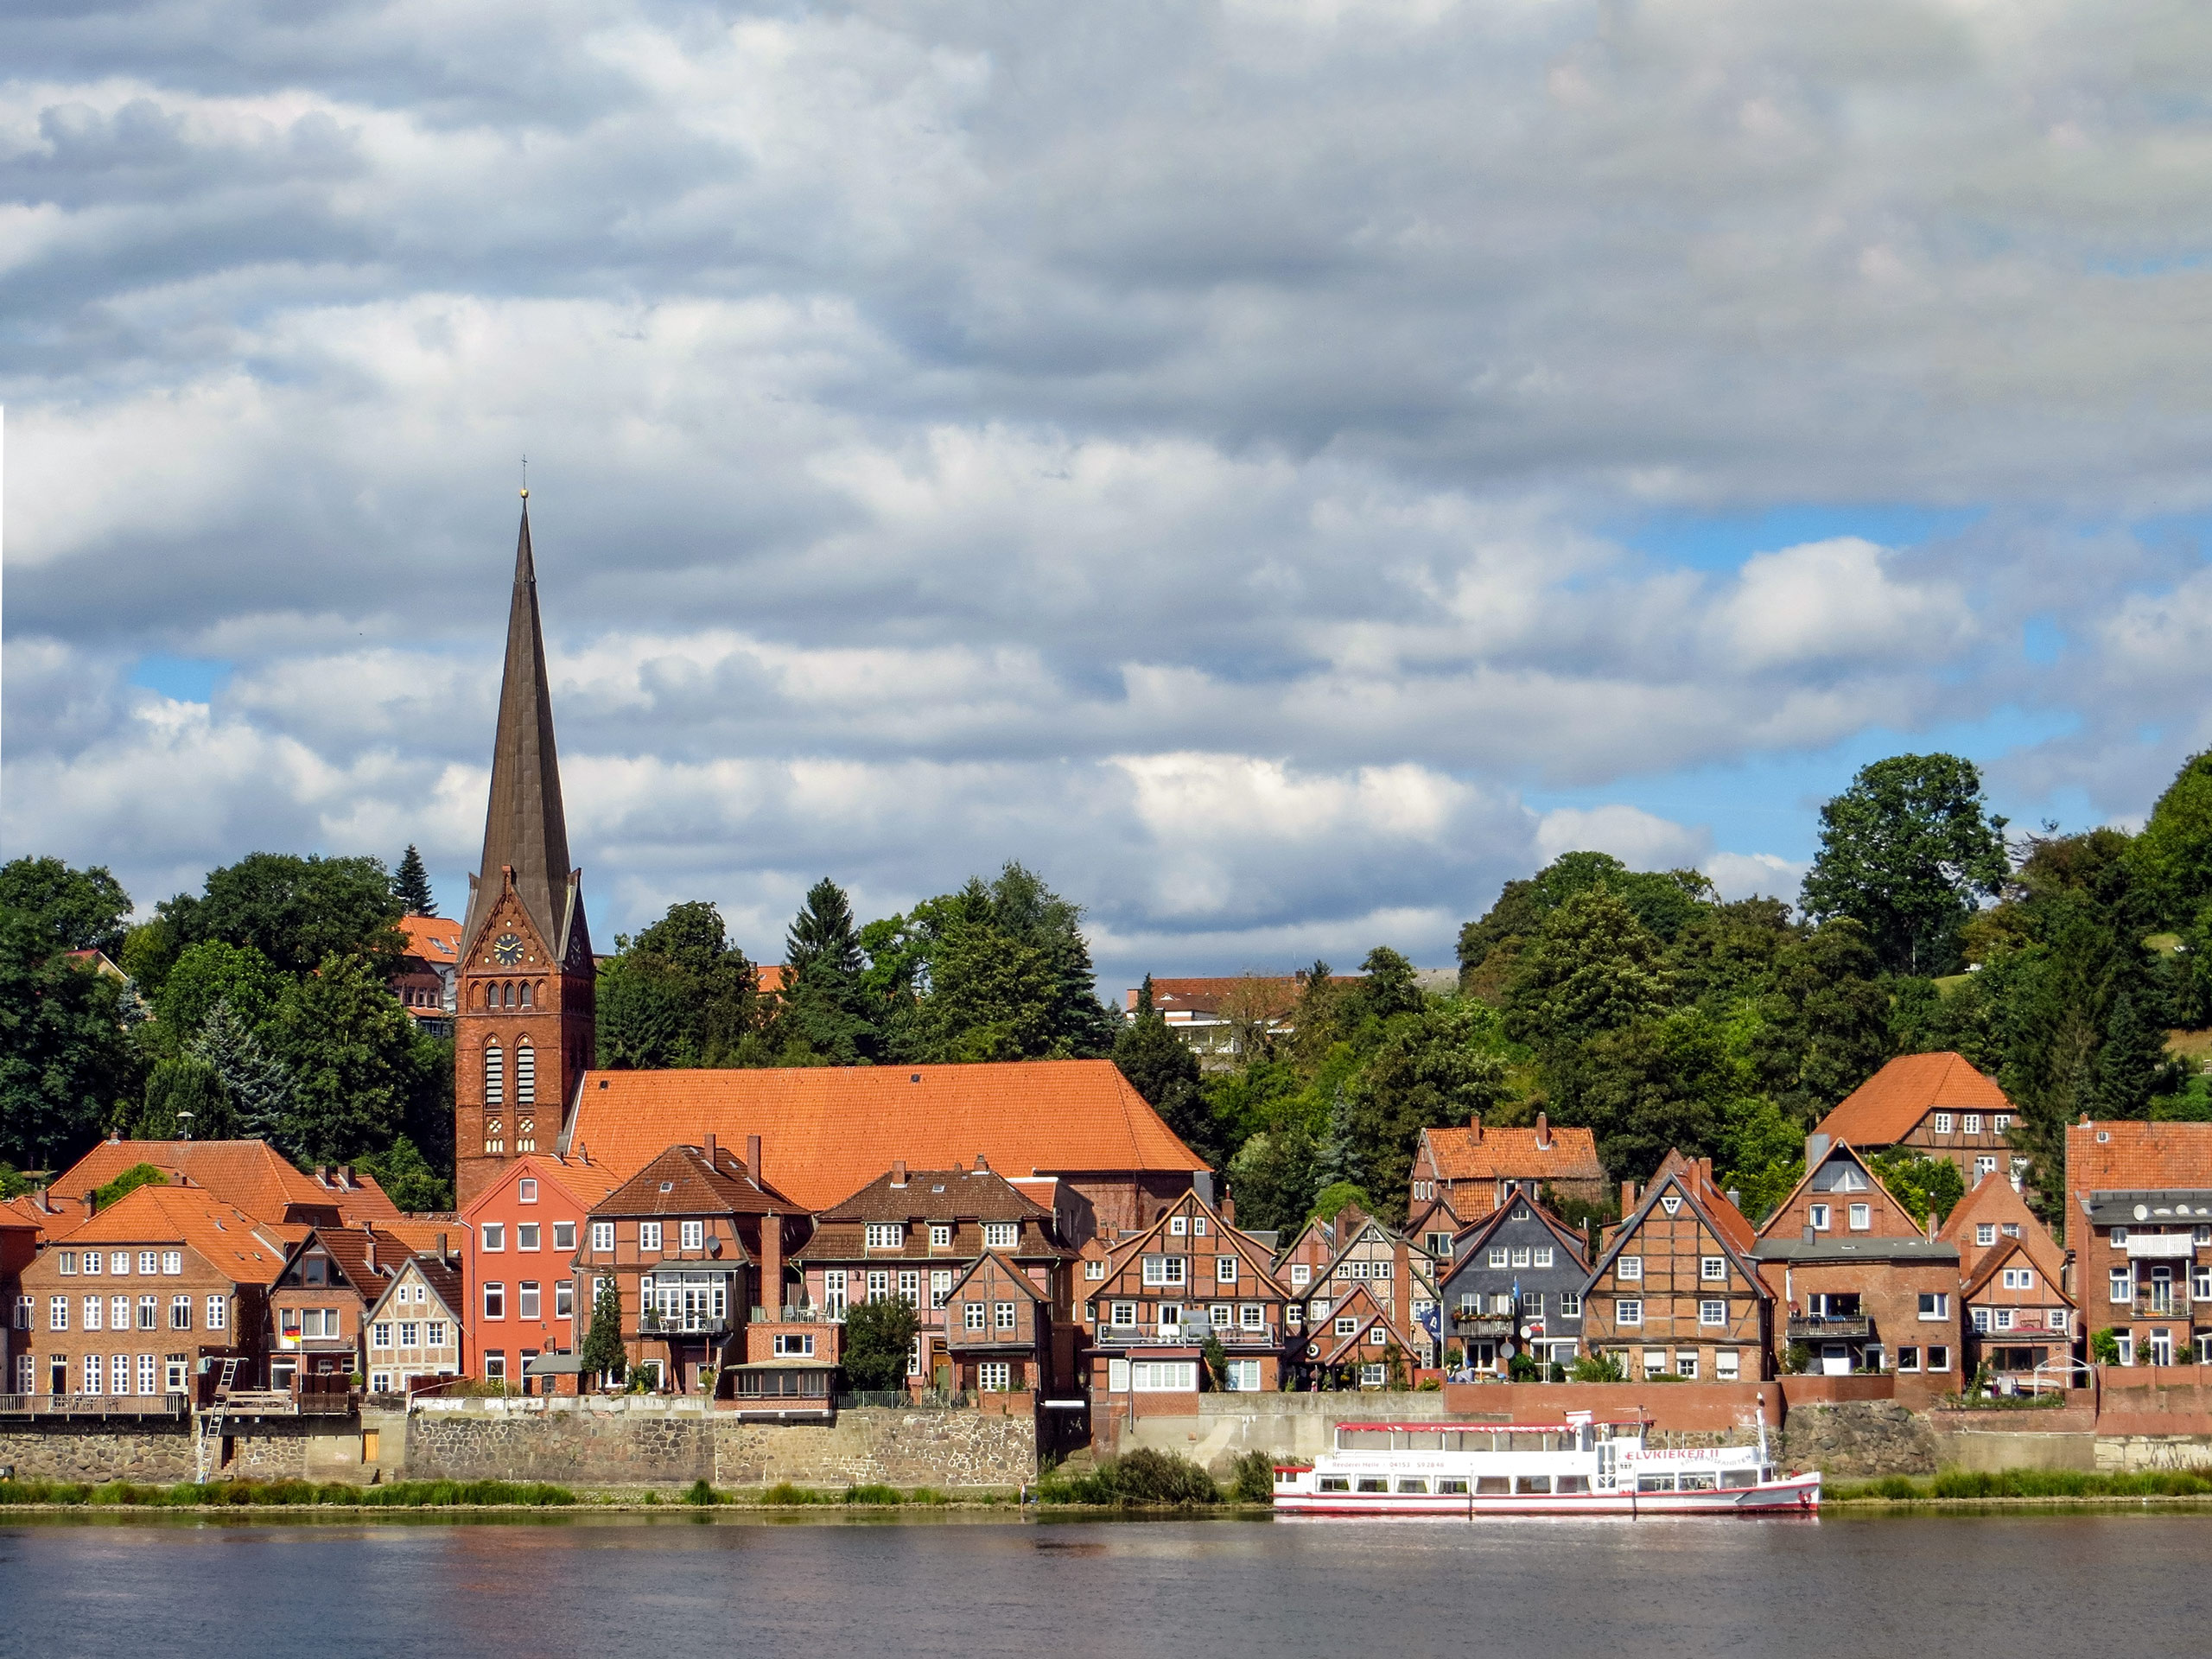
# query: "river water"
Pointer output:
{"type": "Point", "coordinates": [2120, 1583]}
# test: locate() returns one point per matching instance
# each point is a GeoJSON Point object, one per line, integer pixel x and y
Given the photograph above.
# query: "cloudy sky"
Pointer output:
{"type": "Point", "coordinates": [1280, 468]}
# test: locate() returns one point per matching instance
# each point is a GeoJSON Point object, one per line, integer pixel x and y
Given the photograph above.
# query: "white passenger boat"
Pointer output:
{"type": "Point", "coordinates": [1578, 1467]}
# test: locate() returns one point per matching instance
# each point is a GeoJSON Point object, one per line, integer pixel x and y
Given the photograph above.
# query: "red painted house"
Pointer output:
{"type": "Point", "coordinates": [520, 1239]}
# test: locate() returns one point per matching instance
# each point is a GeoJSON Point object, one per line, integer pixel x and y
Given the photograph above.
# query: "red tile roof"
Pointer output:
{"type": "Point", "coordinates": [432, 939]}
{"type": "Point", "coordinates": [1993, 1200]}
{"type": "Point", "coordinates": [770, 978]}
{"type": "Point", "coordinates": [247, 1173]}
{"type": "Point", "coordinates": [252, 1250]}
{"type": "Point", "coordinates": [1475, 1154]}
{"type": "Point", "coordinates": [682, 1182]}
{"type": "Point", "coordinates": [827, 1130]}
{"type": "Point", "coordinates": [2126, 1157]}
{"type": "Point", "coordinates": [1274, 997]}
{"type": "Point", "coordinates": [1885, 1108]}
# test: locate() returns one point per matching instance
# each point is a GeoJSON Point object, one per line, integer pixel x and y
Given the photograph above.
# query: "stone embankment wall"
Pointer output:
{"type": "Point", "coordinates": [89, 1452]}
{"type": "Point", "coordinates": [1858, 1439]}
{"type": "Point", "coordinates": [644, 1442]}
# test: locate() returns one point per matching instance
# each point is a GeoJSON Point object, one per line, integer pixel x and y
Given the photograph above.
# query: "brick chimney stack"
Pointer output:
{"type": "Point", "coordinates": [1475, 1122]}
{"type": "Point", "coordinates": [772, 1264]}
{"type": "Point", "coordinates": [981, 1164]}
{"type": "Point", "coordinates": [1544, 1132]}
{"type": "Point", "coordinates": [707, 1143]}
{"type": "Point", "coordinates": [898, 1172]}
{"type": "Point", "coordinates": [1628, 1198]}
{"type": "Point", "coordinates": [753, 1159]}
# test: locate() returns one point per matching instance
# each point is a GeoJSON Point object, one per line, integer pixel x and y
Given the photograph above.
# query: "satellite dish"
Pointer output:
{"type": "Point", "coordinates": [2142, 1212]}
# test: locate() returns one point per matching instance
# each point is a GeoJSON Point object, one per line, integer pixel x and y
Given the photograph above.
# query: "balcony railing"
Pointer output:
{"type": "Point", "coordinates": [651, 1324]}
{"type": "Point", "coordinates": [2148, 1305]}
{"type": "Point", "coordinates": [95, 1405]}
{"type": "Point", "coordinates": [1483, 1325]}
{"type": "Point", "coordinates": [789, 1314]}
{"type": "Point", "coordinates": [1189, 1334]}
{"type": "Point", "coordinates": [1830, 1327]}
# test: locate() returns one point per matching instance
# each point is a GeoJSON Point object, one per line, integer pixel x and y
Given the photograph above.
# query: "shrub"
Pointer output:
{"type": "Point", "coordinates": [1599, 1368]}
{"type": "Point", "coordinates": [873, 1493]}
{"type": "Point", "coordinates": [701, 1493]}
{"type": "Point", "coordinates": [1252, 1477]}
{"type": "Point", "coordinates": [927, 1495]}
{"type": "Point", "coordinates": [784, 1495]}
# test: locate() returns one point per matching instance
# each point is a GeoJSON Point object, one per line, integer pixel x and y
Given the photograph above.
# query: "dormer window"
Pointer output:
{"type": "Point", "coordinates": [1672, 1204]}
{"type": "Point", "coordinates": [886, 1236]}
{"type": "Point", "coordinates": [314, 1270]}
{"type": "Point", "coordinates": [1000, 1235]}
{"type": "Point", "coordinates": [940, 1235]}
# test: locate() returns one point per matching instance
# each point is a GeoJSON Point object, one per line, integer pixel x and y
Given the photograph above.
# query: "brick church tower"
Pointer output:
{"type": "Point", "coordinates": [524, 1030]}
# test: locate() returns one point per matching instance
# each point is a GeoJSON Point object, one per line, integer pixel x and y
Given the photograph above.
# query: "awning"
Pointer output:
{"type": "Point", "coordinates": [554, 1364]}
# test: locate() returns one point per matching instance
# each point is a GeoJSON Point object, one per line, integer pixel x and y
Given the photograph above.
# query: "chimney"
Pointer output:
{"type": "Point", "coordinates": [373, 1249]}
{"type": "Point", "coordinates": [1808, 1233]}
{"type": "Point", "coordinates": [345, 1176]}
{"type": "Point", "coordinates": [752, 1157]}
{"type": "Point", "coordinates": [92, 1204]}
{"type": "Point", "coordinates": [442, 1261]}
{"type": "Point", "coordinates": [322, 1175]}
{"type": "Point", "coordinates": [1544, 1132]}
{"type": "Point", "coordinates": [772, 1264]}
{"type": "Point", "coordinates": [1704, 1169]}
{"type": "Point", "coordinates": [1475, 1122]}
{"type": "Point", "coordinates": [1228, 1210]}
{"type": "Point", "coordinates": [981, 1164]}
{"type": "Point", "coordinates": [1931, 1223]}
{"type": "Point", "coordinates": [707, 1141]}
{"type": "Point", "coordinates": [1816, 1148]}
{"type": "Point", "coordinates": [1628, 1198]}
{"type": "Point", "coordinates": [898, 1172]}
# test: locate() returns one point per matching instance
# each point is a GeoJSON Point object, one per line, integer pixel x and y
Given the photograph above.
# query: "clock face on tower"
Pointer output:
{"type": "Point", "coordinates": [507, 950]}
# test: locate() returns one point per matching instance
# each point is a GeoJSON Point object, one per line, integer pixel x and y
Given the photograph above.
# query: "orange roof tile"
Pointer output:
{"type": "Point", "coordinates": [252, 1250]}
{"type": "Point", "coordinates": [1883, 1111]}
{"type": "Point", "coordinates": [770, 978]}
{"type": "Point", "coordinates": [1475, 1154]}
{"type": "Point", "coordinates": [1274, 997]}
{"type": "Point", "coordinates": [247, 1173]}
{"type": "Point", "coordinates": [583, 1187]}
{"type": "Point", "coordinates": [826, 1131]}
{"type": "Point", "coordinates": [432, 938]}
{"type": "Point", "coordinates": [2127, 1157]}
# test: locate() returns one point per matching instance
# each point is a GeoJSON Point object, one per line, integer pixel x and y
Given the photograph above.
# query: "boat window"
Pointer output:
{"type": "Point", "coordinates": [1696, 1484]}
{"type": "Point", "coordinates": [1452, 1488]}
{"type": "Point", "coordinates": [1766, 1474]}
{"type": "Point", "coordinates": [1733, 1480]}
{"type": "Point", "coordinates": [1373, 1483]}
{"type": "Point", "coordinates": [1654, 1483]}
{"type": "Point", "coordinates": [1286, 1476]}
{"type": "Point", "coordinates": [1532, 1482]}
{"type": "Point", "coordinates": [1573, 1483]}
{"type": "Point", "coordinates": [1335, 1483]}
{"type": "Point", "coordinates": [1420, 1486]}
{"type": "Point", "coordinates": [1492, 1486]}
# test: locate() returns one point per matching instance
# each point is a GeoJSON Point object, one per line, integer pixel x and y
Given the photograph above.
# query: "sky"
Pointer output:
{"type": "Point", "coordinates": [1280, 468]}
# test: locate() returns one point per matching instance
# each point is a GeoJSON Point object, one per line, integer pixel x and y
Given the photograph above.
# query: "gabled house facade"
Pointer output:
{"type": "Point", "coordinates": [520, 1237]}
{"type": "Point", "coordinates": [2139, 1216]}
{"type": "Point", "coordinates": [1361, 1343]}
{"type": "Point", "coordinates": [415, 1329]}
{"type": "Point", "coordinates": [1939, 1106]}
{"type": "Point", "coordinates": [1989, 1218]}
{"type": "Point", "coordinates": [916, 1233]}
{"type": "Point", "coordinates": [1515, 1284]}
{"type": "Point", "coordinates": [318, 1309]}
{"type": "Point", "coordinates": [1858, 1284]}
{"type": "Point", "coordinates": [2021, 1324]}
{"type": "Point", "coordinates": [1168, 1287]}
{"type": "Point", "coordinates": [1674, 1290]}
{"type": "Point", "coordinates": [136, 1299]}
{"type": "Point", "coordinates": [1400, 1280]}
{"type": "Point", "coordinates": [999, 1329]}
{"type": "Point", "coordinates": [1474, 1170]}
{"type": "Point", "coordinates": [694, 1242]}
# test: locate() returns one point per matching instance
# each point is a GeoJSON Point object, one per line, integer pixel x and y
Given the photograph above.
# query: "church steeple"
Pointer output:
{"type": "Point", "coordinates": [524, 827]}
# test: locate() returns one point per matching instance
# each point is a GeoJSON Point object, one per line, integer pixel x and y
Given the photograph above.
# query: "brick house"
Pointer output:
{"type": "Point", "coordinates": [137, 1297]}
{"type": "Point", "coordinates": [1362, 1342]}
{"type": "Point", "coordinates": [18, 1250]}
{"type": "Point", "coordinates": [1860, 1286]}
{"type": "Point", "coordinates": [1165, 1290]}
{"type": "Point", "coordinates": [1474, 1170]}
{"type": "Point", "coordinates": [694, 1242]}
{"type": "Point", "coordinates": [319, 1306]}
{"type": "Point", "coordinates": [1304, 1263]}
{"type": "Point", "coordinates": [2021, 1324]}
{"type": "Point", "coordinates": [916, 1234]}
{"type": "Point", "coordinates": [999, 1329]}
{"type": "Point", "coordinates": [1990, 1215]}
{"type": "Point", "coordinates": [249, 1175]}
{"type": "Point", "coordinates": [2138, 1216]}
{"type": "Point", "coordinates": [1674, 1288]}
{"type": "Point", "coordinates": [416, 1327]}
{"type": "Point", "coordinates": [1403, 1281]}
{"type": "Point", "coordinates": [520, 1237]}
{"type": "Point", "coordinates": [1939, 1107]}
{"type": "Point", "coordinates": [1520, 1268]}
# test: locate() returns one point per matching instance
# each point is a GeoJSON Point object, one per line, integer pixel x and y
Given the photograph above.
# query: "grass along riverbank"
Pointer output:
{"type": "Point", "coordinates": [2037, 1485]}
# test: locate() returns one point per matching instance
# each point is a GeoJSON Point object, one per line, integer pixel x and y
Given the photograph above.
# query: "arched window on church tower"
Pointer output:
{"type": "Point", "coordinates": [495, 1075]}
{"type": "Point", "coordinates": [507, 994]}
{"type": "Point", "coordinates": [526, 1074]}
{"type": "Point", "coordinates": [525, 993]}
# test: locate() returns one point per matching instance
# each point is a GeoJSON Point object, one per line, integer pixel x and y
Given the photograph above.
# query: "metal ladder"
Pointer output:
{"type": "Point", "coordinates": [228, 1376]}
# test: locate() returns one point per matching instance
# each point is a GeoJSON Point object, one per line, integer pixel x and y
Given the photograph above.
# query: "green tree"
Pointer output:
{"type": "Point", "coordinates": [1663, 903]}
{"type": "Point", "coordinates": [1921, 1183]}
{"type": "Point", "coordinates": [348, 1045]}
{"type": "Point", "coordinates": [295, 911]}
{"type": "Point", "coordinates": [1665, 1081]}
{"type": "Point", "coordinates": [1907, 851]}
{"type": "Point", "coordinates": [2171, 860]}
{"type": "Point", "coordinates": [255, 1085]}
{"type": "Point", "coordinates": [211, 972]}
{"type": "Point", "coordinates": [1006, 975]}
{"type": "Point", "coordinates": [1760, 1155]}
{"type": "Point", "coordinates": [1435, 1066]}
{"type": "Point", "coordinates": [185, 1097]}
{"type": "Point", "coordinates": [1337, 1162]}
{"type": "Point", "coordinates": [1724, 958]}
{"type": "Point", "coordinates": [602, 1354]}
{"type": "Point", "coordinates": [66, 1064]}
{"type": "Point", "coordinates": [679, 995]}
{"type": "Point", "coordinates": [1332, 1201]}
{"type": "Point", "coordinates": [1826, 1019]}
{"type": "Point", "coordinates": [879, 1336]}
{"type": "Point", "coordinates": [1272, 1179]}
{"type": "Point", "coordinates": [829, 1013]}
{"type": "Point", "coordinates": [407, 1177]}
{"type": "Point", "coordinates": [411, 885]}
{"type": "Point", "coordinates": [1593, 969]}
{"type": "Point", "coordinates": [128, 1182]}
{"type": "Point", "coordinates": [1160, 1067]}
{"type": "Point", "coordinates": [2131, 1065]}
{"type": "Point", "coordinates": [70, 910]}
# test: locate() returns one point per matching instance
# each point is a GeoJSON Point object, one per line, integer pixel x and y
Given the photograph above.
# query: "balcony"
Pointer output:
{"type": "Point", "coordinates": [1483, 1325]}
{"type": "Point", "coordinates": [789, 1314]}
{"type": "Point", "coordinates": [652, 1323]}
{"type": "Point", "coordinates": [1830, 1327]}
{"type": "Point", "coordinates": [1190, 1335]}
{"type": "Point", "coordinates": [95, 1405]}
{"type": "Point", "coordinates": [2174, 1305]}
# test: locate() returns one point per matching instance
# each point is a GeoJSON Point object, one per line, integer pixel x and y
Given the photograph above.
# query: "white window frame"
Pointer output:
{"type": "Point", "coordinates": [1862, 1217]}
{"type": "Point", "coordinates": [530, 1234]}
{"type": "Point", "coordinates": [1712, 1311]}
{"type": "Point", "coordinates": [1817, 1217]}
{"type": "Point", "coordinates": [649, 1236]}
{"type": "Point", "coordinates": [1713, 1269]}
{"type": "Point", "coordinates": [493, 1238]}
{"type": "Point", "coordinates": [603, 1238]}
{"type": "Point", "coordinates": [1166, 1271]}
{"type": "Point", "coordinates": [885, 1236]}
{"type": "Point", "coordinates": [1001, 1235]}
{"type": "Point", "coordinates": [691, 1235]}
{"type": "Point", "coordinates": [1935, 1305]}
{"type": "Point", "coordinates": [1943, 1120]}
{"type": "Point", "coordinates": [1224, 1269]}
{"type": "Point", "coordinates": [1629, 1269]}
{"type": "Point", "coordinates": [1627, 1309]}
{"type": "Point", "coordinates": [940, 1236]}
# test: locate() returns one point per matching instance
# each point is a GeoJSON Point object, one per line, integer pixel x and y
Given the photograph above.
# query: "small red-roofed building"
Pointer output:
{"type": "Point", "coordinates": [1473, 1171]}
{"type": "Point", "coordinates": [1676, 1290]}
{"type": "Point", "coordinates": [249, 1174]}
{"type": "Point", "coordinates": [415, 1329]}
{"type": "Point", "coordinates": [318, 1305]}
{"type": "Point", "coordinates": [127, 1307]}
{"type": "Point", "coordinates": [1989, 1218]}
{"type": "Point", "coordinates": [1939, 1106]}
{"type": "Point", "coordinates": [2021, 1321]}
{"type": "Point", "coordinates": [2139, 1216]}
{"type": "Point", "coordinates": [999, 1332]}
{"type": "Point", "coordinates": [427, 976]}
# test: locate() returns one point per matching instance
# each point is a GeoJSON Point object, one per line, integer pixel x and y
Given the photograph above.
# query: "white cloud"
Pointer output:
{"type": "Point", "coordinates": [1637, 838]}
{"type": "Point", "coordinates": [1749, 875]}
